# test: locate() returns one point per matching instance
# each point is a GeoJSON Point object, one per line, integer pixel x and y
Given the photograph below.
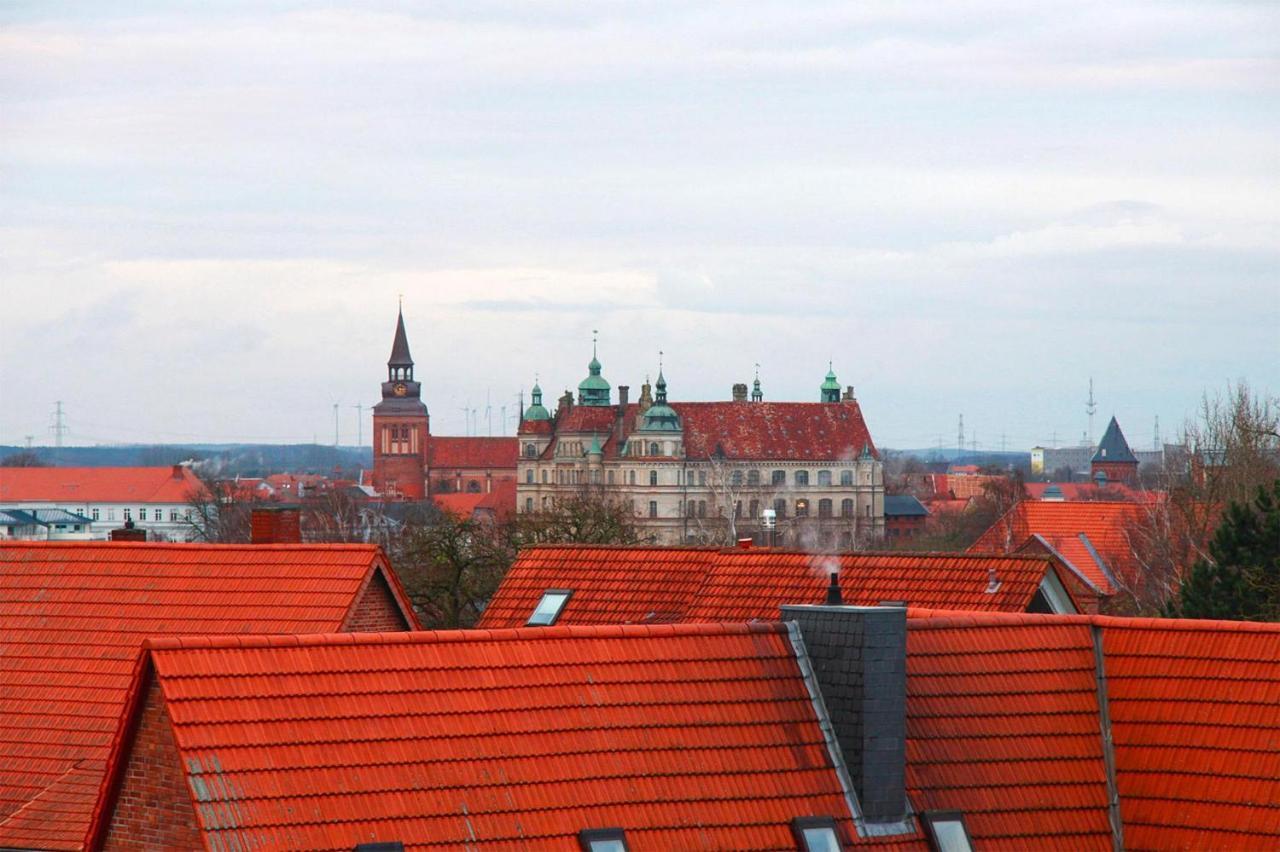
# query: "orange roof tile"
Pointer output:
{"type": "Point", "coordinates": [72, 619]}
{"type": "Point", "coordinates": [682, 736]}
{"type": "Point", "coordinates": [1100, 557]}
{"type": "Point", "coordinates": [97, 484]}
{"type": "Point", "coordinates": [630, 585]}
{"type": "Point", "coordinates": [460, 452]}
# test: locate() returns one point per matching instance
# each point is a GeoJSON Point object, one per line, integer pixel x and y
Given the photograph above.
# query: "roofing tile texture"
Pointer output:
{"type": "Point", "coordinates": [1003, 722]}
{"type": "Point", "coordinates": [685, 737]}
{"type": "Point", "coordinates": [97, 484]}
{"type": "Point", "coordinates": [73, 617]}
{"type": "Point", "coordinates": [633, 585]}
{"type": "Point", "coordinates": [1061, 525]}
{"type": "Point", "coordinates": [475, 453]}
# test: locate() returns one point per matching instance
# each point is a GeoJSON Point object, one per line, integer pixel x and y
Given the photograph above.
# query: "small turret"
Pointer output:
{"type": "Point", "coordinates": [831, 387]}
{"type": "Point", "coordinates": [536, 410]}
{"type": "Point", "coordinates": [661, 417]}
{"type": "Point", "coordinates": [594, 389]}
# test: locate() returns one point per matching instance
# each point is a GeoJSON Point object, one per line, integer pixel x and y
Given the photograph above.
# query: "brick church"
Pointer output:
{"type": "Point", "coordinates": [409, 463]}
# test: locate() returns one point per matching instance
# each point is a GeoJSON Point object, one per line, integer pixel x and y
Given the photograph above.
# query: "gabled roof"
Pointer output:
{"type": "Point", "coordinates": [1004, 723]}
{"type": "Point", "coordinates": [638, 585]}
{"type": "Point", "coordinates": [1092, 536]}
{"type": "Point", "coordinates": [684, 737]}
{"type": "Point", "coordinates": [461, 452]}
{"type": "Point", "coordinates": [73, 617]}
{"type": "Point", "coordinates": [1113, 447]}
{"type": "Point", "coordinates": [171, 484]}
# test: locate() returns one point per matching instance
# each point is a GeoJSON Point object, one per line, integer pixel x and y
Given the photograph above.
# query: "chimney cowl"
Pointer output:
{"type": "Point", "coordinates": [834, 597]}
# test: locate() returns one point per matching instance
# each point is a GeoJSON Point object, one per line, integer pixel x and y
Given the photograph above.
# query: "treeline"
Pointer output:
{"type": "Point", "coordinates": [229, 459]}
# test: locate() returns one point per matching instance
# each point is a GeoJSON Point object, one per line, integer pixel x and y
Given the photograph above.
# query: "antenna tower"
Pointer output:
{"type": "Point", "coordinates": [960, 435]}
{"type": "Point", "coordinates": [1156, 442]}
{"type": "Point", "coordinates": [1090, 408]}
{"type": "Point", "coordinates": [59, 427]}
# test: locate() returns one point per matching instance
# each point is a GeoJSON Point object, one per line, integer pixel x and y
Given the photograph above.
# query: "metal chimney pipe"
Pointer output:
{"type": "Point", "coordinates": [834, 598]}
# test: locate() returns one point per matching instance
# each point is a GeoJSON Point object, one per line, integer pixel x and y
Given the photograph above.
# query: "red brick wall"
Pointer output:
{"type": "Point", "coordinates": [375, 611]}
{"type": "Point", "coordinates": [1116, 471]}
{"type": "Point", "coordinates": [153, 810]}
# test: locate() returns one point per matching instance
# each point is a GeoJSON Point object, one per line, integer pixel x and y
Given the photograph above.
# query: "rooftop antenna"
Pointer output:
{"type": "Point", "coordinates": [1156, 441]}
{"type": "Point", "coordinates": [1090, 408]}
{"type": "Point", "coordinates": [960, 435]}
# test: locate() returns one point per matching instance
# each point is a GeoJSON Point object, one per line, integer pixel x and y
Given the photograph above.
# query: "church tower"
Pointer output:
{"type": "Point", "coordinates": [401, 427]}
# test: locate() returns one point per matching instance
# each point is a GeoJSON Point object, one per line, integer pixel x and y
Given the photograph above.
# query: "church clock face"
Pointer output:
{"type": "Point", "coordinates": [400, 389]}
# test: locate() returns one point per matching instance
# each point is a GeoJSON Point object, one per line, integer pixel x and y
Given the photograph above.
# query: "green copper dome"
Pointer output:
{"type": "Point", "coordinates": [593, 390]}
{"type": "Point", "coordinates": [661, 417]}
{"type": "Point", "coordinates": [831, 387]}
{"type": "Point", "coordinates": [536, 411]}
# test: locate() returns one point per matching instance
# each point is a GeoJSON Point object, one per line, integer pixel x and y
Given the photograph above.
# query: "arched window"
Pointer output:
{"type": "Point", "coordinates": [735, 479]}
{"type": "Point", "coordinates": [824, 477]}
{"type": "Point", "coordinates": [544, 477]}
{"type": "Point", "coordinates": [753, 478]}
{"type": "Point", "coordinates": [846, 477]}
{"type": "Point", "coordinates": [653, 477]}
{"type": "Point", "coordinates": [653, 449]}
{"type": "Point", "coordinates": [754, 509]}
{"type": "Point", "coordinates": [702, 508]}
{"type": "Point", "coordinates": [780, 507]}
{"type": "Point", "coordinates": [702, 477]}
{"type": "Point", "coordinates": [473, 487]}
{"type": "Point", "coordinates": [528, 504]}
{"type": "Point", "coordinates": [610, 475]}
{"type": "Point", "coordinates": [802, 508]}
{"type": "Point", "coordinates": [631, 477]}
{"type": "Point", "coordinates": [528, 476]}
{"type": "Point", "coordinates": [824, 508]}
{"type": "Point", "coordinates": [779, 477]}
{"type": "Point", "coordinates": [802, 477]}
{"type": "Point", "coordinates": [846, 508]}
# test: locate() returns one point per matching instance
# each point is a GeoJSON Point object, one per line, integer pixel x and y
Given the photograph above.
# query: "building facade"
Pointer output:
{"type": "Point", "coordinates": [790, 473]}
{"type": "Point", "coordinates": [409, 463]}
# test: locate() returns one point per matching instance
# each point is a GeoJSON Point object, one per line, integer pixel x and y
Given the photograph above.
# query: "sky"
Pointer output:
{"type": "Point", "coordinates": [210, 210]}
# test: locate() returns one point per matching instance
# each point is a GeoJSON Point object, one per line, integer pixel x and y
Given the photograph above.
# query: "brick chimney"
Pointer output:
{"type": "Point", "coordinates": [740, 392]}
{"type": "Point", "coordinates": [128, 533]}
{"type": "Point", "coordinates": [276, 525]}
{"type": "Point", "coordinates": [177, 471]}
{"type": "Point", "coordinates": [624, 393]}
{"type": "Point", "coordinates": [859, 659]}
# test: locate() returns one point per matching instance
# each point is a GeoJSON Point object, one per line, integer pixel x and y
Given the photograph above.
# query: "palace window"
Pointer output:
{"type": "Point", "coordinates": [702, 477]}
{"type": "Point", "coordinates": [528, 504]}
{"type": "Point", "coordinates": [824, 508]}
{"type": "Point", "coordinates": [780, 507]}
{"type": "Point", "coordinates": [528, 476]}
{"type": "Point", "coordinates": [802, 508]}
{"type": "Point", "coordinates": [653, 508]}
{"type": "Point", "coordinates": [802, 477]}
{"type": "Point", "coordinates": [653, 477]}
{"type": "Point", "coordinates": [530, 451]}
{"type": "Point", "coordinates": [609, 475]}
{"type": "Point", "coordinates": [631, 477]}
{"type": "Point", "coordinates": [846, 477]}
{"type": "Point", "coordinates": [846, 508]}
{"type": "Point", "coordinates": [654, 450]}
{"type": "Point", "coordinates": [754, 509]}
{"type": "Point", "coordinates": [702, 508]}
{"type": "Point", "coordinates": [753, 477]}
{"type": "Point", "coordinates": [779, 477]}
{"type": "Point", "coordinates": [824, 477]}
{"type": "Point", "coordinates": [735, 479]}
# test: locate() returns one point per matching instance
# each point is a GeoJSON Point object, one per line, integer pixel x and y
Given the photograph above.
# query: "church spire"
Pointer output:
{"type": "Point", "coordinates": [400, 359]}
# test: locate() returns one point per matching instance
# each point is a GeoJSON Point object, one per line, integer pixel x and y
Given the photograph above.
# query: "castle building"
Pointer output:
{"type": "Point", "coordinates": [409, 463]}
{"type": "Point", "coordinates": [709, 472]}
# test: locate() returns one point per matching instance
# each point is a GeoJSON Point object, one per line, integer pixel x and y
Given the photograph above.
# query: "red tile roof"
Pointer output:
{"type": "Point", "coordinates": [1103, 525]}
{"type": "Point", "coordinates": [1003, 722]}
{"type": "Point", "coordinates": [688, 736]}
{"type": "Point", "coordinates": [473, 453]}
{"type": "Point", "coordinates": [1112, 491]}
{"type": "Point", "coordinates": [97, 484]}
{"type": "Point", "coordinates": [631, 585]}
{"type": "Point", "coordinates": [611, 585]}
{"type": "Point", "coordinates": [72, 619]}
{"type": "Point", "coordinates": [745, 431]}
{"type": "Point", "coordinates": [500, 502]}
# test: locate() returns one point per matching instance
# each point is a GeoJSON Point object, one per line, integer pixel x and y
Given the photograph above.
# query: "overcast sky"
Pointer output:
{"type": "Point", "coordinates": [209, 209]}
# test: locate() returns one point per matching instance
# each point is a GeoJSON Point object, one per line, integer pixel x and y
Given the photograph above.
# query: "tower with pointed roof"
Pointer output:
{"type": "Point", "coordinates": [1114, 461]}
{"type": "Point", "coordinates": [831, 386]}
{"type": "Point", "coordinates": [401, 426]}
{"type": "Point", "coordinates": [594, 389]}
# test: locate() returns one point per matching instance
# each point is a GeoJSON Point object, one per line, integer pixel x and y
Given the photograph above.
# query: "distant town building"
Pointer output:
{"type": "Point", "coordinates": [904, 516]}
{"type": "Point", "coordinates": [408, 461]}
{"type": "Point", "coordinates": [44, 525]}
{"type": "Point", "coordinates": [1113, 461]}
{"type": "Point", "coordinates": [798, 473]}
{"type": "Point", "coordinates": [156, 499]}
{"type": "Point", "coordinates": [1047, 461]}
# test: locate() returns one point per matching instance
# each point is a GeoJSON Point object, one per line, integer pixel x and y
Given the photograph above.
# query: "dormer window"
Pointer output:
{"type": "Point", "coordinates": [816, 834]}
{"type": "Point", "coordinates": [549, 608]}
{"type": "Point", "coordinates": [947, 831]}
{"type": "Point", "coordinates": [603, 840]}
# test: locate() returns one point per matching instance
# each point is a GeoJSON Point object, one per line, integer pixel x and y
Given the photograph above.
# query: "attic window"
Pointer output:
{"type": "Point", "coordinates": [947, 831]}
{"type": "Point", "coordinates": [603, 840]}
{"type": "Point", "coordinates": [549, 608]}
{"type": "Point", "coordinates": [816, 834]}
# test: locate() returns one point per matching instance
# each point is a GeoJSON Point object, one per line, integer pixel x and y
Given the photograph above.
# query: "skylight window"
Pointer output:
{"type": "Point", "coordinates": [816, 834]}
{"type": "Point", "coordinates": [549, 608]}
{"type": "Point", "coordinates": [603, 840]}
{"type": "Point", "coordinates": [947, 831]}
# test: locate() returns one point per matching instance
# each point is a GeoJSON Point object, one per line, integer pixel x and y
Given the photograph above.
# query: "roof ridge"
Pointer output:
{"type": "Point", "coordinates": [190, 545]}
{"type": "Point", "coordinates": [428, 637]}
{"type": "Point", "coordinates": [921, 617]}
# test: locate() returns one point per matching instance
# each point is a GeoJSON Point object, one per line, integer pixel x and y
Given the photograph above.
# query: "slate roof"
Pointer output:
{"type": "Point", "coordinates": [903, 506]}
{"type": "Point", "coordinates": [73, 617]}
{"type": "Point", "coordinates": [97, 484]}
{"type": "Point", "coordinates": [684, 736]}
{"type": "Point", "coordinates": [1113, 447]}
{"type": "Point", "coordinates": [1090, 536]}
{"type": "Point", "coordinates": [744, 431]}
{"type": "Point", "coordinates": [477, 453]}
{"type": "Point", "coordinates": [639, 585]}
{"type": "Point", "coordinates": [400, 356]}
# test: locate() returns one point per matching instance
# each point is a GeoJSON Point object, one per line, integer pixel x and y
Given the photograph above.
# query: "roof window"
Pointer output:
{"type": "Point", "coordinates": [549, 608]}
{"type": "Point", "coordinates": [603, 840]}
{"type": "Point", "coordinates": [816, 834]}
{"type": "Point", "coordinates": [947, 831]}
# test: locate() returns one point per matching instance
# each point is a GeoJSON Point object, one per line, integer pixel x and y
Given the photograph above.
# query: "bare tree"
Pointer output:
{"type": "Point", "coordinates": [23, 458]}
{"type": "Point", "coordinates": [218, 510]}
{"type": "Point", "coordinates": [452, 567]}
{"type": "Point", "coordinates": [590, 515]}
